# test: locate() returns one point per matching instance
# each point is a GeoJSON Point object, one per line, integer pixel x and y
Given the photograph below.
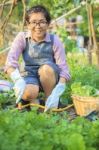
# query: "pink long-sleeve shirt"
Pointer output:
{"type": "Point", "coordinates": [19, 45]}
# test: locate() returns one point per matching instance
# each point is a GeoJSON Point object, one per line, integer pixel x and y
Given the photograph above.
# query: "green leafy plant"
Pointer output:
{"type": "Point", "coordinates": [46, 132]}
{"type": "Point", "coordinates": [82, 90]}
{"type": "Point", "coordinates": [69, 44]}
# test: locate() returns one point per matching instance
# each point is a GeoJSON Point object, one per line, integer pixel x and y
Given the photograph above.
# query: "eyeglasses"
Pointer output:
{"type": "Point", "coordinates": [41, 23]}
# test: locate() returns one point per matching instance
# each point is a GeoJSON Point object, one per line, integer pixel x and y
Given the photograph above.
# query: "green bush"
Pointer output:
{"type": "Point", "coordinates": [46, 132]}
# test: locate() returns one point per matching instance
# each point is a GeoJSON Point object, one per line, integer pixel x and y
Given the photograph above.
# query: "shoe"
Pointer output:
{"type": "Point", "coordinates": [92, 116]}
{"type": "Point", "coordinates": [60, 105]}
{"type": "Point", "coordinates": [42, 102]}
{"type": "Point", "coordinates": [23, 103]}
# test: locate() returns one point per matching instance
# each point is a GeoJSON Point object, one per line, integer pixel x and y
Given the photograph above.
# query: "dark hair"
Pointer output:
{"type": "Point", "coordinates": [37, 9]}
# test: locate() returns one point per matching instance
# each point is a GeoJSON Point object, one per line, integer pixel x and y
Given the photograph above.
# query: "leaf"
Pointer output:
{"type": "Point", "coordinates": [76, 142]}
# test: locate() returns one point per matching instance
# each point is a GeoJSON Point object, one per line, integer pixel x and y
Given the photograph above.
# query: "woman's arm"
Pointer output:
{"type": "Point", "coordinates": [60, 59]}
{"type": "Point", "coordinates": [10, 70]}
{"type": "Point", "coordinates": [62, 80]}
{"type": "Point", "coordinates": [17, 47]}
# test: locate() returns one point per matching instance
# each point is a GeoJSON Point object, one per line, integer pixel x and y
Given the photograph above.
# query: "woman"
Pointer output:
{"type": "Point", "coordinates": [44, 58]}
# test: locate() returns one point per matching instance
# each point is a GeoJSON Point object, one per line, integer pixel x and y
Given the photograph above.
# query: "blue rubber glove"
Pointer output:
{"type": "Point", "coordinates": [53, 99]}
{"type": "Point", "coordinates": [19, 88]}
{"type": "Point", "coordinates": [96, 92]}
{"type": "Point", "coordinates": [19, 84]}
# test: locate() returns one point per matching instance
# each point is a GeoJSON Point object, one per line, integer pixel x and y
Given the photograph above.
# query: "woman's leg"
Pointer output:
{"type": "Point", "coordinates": [31, 92]}
{"type": "Point", "coordinates": [47, 78]}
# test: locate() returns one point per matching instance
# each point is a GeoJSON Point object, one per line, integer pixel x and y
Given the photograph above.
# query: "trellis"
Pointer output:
{"type": "Point", "coordinates": [4, 23]}
{"type": "Point", "coordinates": [92, 47]}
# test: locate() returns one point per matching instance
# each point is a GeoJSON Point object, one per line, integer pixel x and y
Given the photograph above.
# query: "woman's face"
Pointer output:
{"type": "Point", "coordinates": [38, 25]}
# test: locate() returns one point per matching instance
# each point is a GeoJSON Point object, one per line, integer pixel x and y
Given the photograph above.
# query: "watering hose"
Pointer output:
{"type": "Point", "coordinates": [43, 107]}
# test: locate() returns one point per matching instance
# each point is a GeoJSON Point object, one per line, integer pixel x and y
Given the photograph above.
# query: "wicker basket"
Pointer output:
{"type": "Point", "coordinates": [85, 105]}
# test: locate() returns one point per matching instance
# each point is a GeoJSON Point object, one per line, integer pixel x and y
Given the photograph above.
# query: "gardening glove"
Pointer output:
{"type": "Point", "coordinates": [53, 99]}
{"type": "Point", "coordinates": [19, 84]}
{"type": "Point", "coordinates": [96, 92]}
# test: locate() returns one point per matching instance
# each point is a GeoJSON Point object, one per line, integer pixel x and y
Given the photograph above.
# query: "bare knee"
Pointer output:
{"type": "Point", "coordinates": [47, 78]}
{"type": "Point", "coordinates": [46, 71]}
{"type": "Point", "coordinates": [31, 92]}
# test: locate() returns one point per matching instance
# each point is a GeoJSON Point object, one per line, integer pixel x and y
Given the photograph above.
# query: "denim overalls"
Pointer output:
{"type": "Point", "coordinates": [35, 55]}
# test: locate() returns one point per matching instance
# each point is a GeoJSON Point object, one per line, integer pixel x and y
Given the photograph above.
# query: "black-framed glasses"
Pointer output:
{"type": "Point", "coordinates": [40, 23]}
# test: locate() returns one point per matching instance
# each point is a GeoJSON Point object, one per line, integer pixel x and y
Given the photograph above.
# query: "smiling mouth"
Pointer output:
{"type": "Point", "coordinates": [38, 31]}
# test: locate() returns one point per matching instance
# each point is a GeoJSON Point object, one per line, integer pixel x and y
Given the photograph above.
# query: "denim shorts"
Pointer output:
{"type": "Point", "coordinates": [34, 78]}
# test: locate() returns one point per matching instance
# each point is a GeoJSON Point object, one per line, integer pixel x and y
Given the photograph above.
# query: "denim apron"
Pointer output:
{"type": "Point", "coordinates": [37, 54]}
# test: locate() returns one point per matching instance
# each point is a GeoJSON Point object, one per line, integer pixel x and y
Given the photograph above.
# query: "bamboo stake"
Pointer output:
{"type": "Point", "coordinates": [69, 13]}
{"type": "Point", "coordinates": [90, 34]}
{"type": "Point", "coordinates": [24, 12]}
{"type": "Point", "coordinates": [8, 16]}
{"type": "Point", "coordinates": [3, 3]}
{"type": "Point", "coordinates": [6, 4]}
{"type": "Point", "coordinates": [95, 45]}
